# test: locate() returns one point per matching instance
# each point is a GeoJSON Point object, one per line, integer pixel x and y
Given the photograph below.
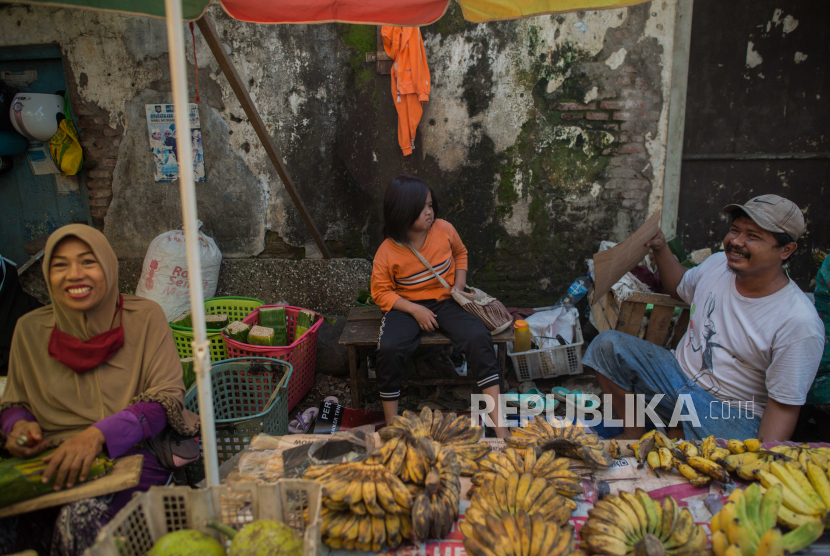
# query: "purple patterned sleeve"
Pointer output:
{"type": "Point", "coordinates": [12, 415]}
{"type": "Point", "coordinates": [135, 424]}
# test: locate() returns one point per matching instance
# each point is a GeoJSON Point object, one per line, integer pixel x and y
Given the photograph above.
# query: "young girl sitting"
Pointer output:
{"type": "Point", "coordinates": [412, 298]}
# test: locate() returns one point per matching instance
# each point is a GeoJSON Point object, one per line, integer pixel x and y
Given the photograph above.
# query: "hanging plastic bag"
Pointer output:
{"type": "Point", "coordinates": [164, 276]}
{"type": "Point", "coordinates": [65, 146]}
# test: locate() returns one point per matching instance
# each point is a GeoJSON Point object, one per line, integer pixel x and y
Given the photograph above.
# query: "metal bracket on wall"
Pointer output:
{"type": "Point", "coordinates": [384, 62]}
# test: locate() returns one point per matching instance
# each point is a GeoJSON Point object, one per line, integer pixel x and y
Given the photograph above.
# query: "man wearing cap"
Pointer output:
{"type": "Point", "coordinates": [753, 344]}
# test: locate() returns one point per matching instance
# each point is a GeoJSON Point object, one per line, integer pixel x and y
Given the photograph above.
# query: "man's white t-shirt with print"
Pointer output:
{"type": "Point", "coordinates": [742, 349]}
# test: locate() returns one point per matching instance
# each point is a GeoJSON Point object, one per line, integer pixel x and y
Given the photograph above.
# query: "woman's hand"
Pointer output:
{"type": "Point", "coordinates": [36, 443]}
{"type": "Point", "coordinates": [425, 317]}
{"type": "Point", "coordinates": [73, 459]}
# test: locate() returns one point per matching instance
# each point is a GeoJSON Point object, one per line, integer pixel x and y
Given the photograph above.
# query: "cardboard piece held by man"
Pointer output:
{"type": "Point", "coordinates": [612, 264]}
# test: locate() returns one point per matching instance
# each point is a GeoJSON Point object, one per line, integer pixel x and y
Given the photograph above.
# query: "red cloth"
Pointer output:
{"type": "Point", "coordinates": [374, 12]}
{"type": "Point", "coordinates": [83, 356]}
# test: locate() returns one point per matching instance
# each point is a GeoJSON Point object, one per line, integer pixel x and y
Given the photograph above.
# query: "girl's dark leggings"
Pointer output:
{"type": "Point", "coordinates": [400, 335]}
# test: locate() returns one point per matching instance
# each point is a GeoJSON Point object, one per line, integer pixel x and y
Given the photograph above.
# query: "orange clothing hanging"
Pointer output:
{"type": "Point", "coordinates": [410, 79]}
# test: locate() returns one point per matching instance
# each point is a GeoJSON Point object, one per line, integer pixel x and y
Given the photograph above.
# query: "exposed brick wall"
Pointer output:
{"type": "Point", "coordinates": [100, 143]}
{"type": "Point", "coordinates": [628, 106]}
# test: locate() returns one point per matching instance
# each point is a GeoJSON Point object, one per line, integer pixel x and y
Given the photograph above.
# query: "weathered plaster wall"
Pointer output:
{"type": "Point", "coordinates": [542, 136]}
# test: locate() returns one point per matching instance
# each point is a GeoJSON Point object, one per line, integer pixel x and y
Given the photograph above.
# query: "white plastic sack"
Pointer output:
{"type": "Point", "coordinates": [545, 325]}
{"type": "Point", "coordinates": [164, 277]}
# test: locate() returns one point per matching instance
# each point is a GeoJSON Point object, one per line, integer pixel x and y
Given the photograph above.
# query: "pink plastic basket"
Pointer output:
{"type": "Point", "coordinates": [302, 353]}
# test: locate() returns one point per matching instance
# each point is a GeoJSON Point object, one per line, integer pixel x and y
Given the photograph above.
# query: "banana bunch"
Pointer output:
{"type": "Point", "coordinates": [548, 466]}
{"type": "Point", "coordinates": [696, 463]}
{"type": "Point", "coordinates": [745, 525]}
{"type": "Point", "coordinates": [634, 523]}
{"type": "Point", "coordinates": [436, 508]}
{"type": "Point", "coordinates": [517, 535]}
{"type": "Point", "coordinates": [399, 451]}
{"type": "Point", "coordinates": [806, 496]}
{"type": "Point", "coordinates": [365, 506]}
{"type": "Point", "coordinates": [800, 455]}
{"type": "Point", "coordinates": [521, 491]}
{"type": "Point", "coordinates": [365, 533]}
{"type": "Point", "coordinates": [748, 463]}
{"type": "Point", "coordinates": [569, 440]}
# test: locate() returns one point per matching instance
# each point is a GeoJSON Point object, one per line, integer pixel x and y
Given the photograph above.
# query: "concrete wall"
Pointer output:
{"type": "Point", "coordinates": [542, 136]}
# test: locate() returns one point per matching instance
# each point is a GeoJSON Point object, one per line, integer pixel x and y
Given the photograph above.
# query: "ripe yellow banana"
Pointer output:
{"type": "Point", "coordinates": [753, 444]}
{"type": "Point", "coordinates": [653, 460]}
{"type": "Point", "coordinates": [665, 459]}
{"type": "Point", "coordinates": [736, 446]}
{"type": "Point", "coordinates": [710, 468]}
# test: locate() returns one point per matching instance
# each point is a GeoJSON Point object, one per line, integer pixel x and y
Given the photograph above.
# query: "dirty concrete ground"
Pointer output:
{"type": "Point", "coordinates": [414, 397]}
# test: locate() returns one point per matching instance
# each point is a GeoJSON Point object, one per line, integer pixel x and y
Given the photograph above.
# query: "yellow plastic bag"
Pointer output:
{"type": "Point", "coordinates": [65, 146]}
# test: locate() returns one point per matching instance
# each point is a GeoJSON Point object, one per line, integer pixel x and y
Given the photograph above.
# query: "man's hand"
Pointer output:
{"type": "Point", "coordinates": [73, 459]}
{"type": "Point", "coordinates": [36, 442]}
{"type": "Point", "coordinates": [668, 267]}
{"type": "Point", "coordinates": [658, 242]}
{"type": "Point", "coordinates": [425, 317]}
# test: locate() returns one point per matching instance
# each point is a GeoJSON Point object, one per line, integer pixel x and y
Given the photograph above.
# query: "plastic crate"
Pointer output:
{"type": "Point", "coordinates": [237, 308]}
{"type": "Point", "coordinates": [549, 362]}
{"type": "Point", "coordinates": [302, 353]}
{"type": "Point", "coordinates": [151, 515]}
{"type": "Point", "coordinates": [240, 396]}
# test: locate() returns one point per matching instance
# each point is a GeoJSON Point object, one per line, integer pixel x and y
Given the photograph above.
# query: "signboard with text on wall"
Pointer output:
{"type": "Point", "coordinates": [163, 142]}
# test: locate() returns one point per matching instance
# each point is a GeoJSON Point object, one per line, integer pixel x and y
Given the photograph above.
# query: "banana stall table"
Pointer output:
{"type": "Point", "coordinates": [623, 475]}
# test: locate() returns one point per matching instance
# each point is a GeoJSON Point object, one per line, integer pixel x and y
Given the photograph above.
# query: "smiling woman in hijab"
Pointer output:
{"type": "Point", "coordinates": [94, 371]}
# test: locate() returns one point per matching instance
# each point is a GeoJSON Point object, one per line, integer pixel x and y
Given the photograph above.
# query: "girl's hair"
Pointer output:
{"type": "Point", "coordinates": [405, 198]}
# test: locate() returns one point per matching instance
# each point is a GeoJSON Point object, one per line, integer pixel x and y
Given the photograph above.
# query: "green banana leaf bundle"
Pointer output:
{"type": "Point", "coordinates": [261, 336]}
{"type": "Point", "coordinates": [274, 317]}
{"type": "Point", "coordinates": [238, 330]}
{"type": "Point", "coordinates": [183, 320]}
{"type": "Point", "coordinates": [216, 322]}
{"type": "Point", "coordinates": [305, 320]}
{"type": "Point", "coordinates": [188, 373]}
{"type": "Point", "coordinates": [20, 479]}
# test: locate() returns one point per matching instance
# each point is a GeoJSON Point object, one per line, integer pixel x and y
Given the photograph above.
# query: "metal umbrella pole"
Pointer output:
{"type": "Point", "coordinates": [178, 77]}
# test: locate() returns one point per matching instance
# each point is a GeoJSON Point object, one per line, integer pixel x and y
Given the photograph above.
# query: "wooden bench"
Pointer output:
{"type": "Point", "coordinates": [361, 332]}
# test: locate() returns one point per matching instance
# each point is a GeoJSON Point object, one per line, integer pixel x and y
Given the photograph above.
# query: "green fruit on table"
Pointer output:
{"type": "Point", "coordinates": [187, 542]}
{"type": "Point", "coordinates": [262, 538]}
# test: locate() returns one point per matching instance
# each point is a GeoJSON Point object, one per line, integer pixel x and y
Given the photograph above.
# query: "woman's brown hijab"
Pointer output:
{"type": "Point", "coordinates": [146, 368]}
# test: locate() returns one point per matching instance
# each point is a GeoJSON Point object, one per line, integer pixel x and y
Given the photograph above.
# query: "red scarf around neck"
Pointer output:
{"type": "Point", "coordinates": [83, 356]}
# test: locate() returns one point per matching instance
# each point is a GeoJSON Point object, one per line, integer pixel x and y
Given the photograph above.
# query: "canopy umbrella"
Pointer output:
{"type": "Point", "coordinates": [403, 13]}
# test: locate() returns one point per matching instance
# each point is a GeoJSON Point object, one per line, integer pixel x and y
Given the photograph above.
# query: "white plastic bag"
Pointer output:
{"type": "Point", "coordinates": [545, 325]}
{"type": "Point", "coordinates": [164, 277]}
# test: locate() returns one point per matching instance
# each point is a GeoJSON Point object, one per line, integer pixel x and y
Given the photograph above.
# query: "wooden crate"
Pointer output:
{"type": "Point", "coordinates": [627, 316]}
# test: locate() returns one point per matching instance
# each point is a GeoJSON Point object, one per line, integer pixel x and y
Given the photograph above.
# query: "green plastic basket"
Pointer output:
{"type": "Point", "coordinates": [237, 308]}
{"type": "Point", "coordinates": [242, 389]}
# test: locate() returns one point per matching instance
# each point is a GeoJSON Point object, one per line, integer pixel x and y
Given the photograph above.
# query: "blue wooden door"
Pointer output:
{"type": "Point", "coordinates": [34, 206]}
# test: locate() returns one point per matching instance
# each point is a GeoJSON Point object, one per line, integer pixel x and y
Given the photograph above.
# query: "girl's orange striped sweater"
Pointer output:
{"type": "Point", "coordinates": [397, 272]}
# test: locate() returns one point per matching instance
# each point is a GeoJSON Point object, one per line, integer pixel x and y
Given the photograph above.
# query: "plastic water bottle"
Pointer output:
{"type": "Point", "coordinates": [577, 290]}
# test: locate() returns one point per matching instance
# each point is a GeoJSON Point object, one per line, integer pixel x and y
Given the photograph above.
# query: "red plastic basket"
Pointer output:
{"type": "Point", "coordinates": [302, 353]}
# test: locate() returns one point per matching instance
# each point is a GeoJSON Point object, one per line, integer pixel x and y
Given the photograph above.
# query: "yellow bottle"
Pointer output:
{"type": "Point", "coordinates": [522, 333]}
